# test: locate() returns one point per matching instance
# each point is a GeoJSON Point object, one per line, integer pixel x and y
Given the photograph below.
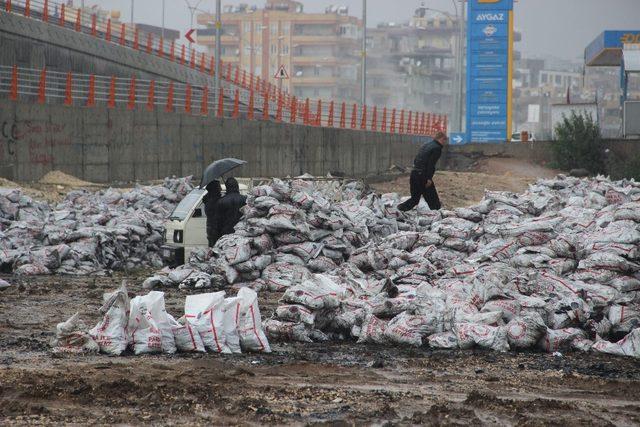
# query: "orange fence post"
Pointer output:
{"type": "Point", "coordinates": [91, 98]}
{"type": "Point", "coordinates": [27, 8]}
{"type": "Point", "coordinates": [244, 78]}
{"type": "Point", "coordinates": [306, 118]}
{"type": "Point", "coordinates": [374, 119]}
{"type": "Point", "coordinates": [151, 96]}
{"type": "Point", "coordinates": [202, 63]}
{"type": "Point", "coordinates": [123, 32]}
{"type": "Point", "coordinates": [421, 130]}
{"type": "Point", "coordinates": [354, 116]}
{"type": "Point", "coordinates": [383, 125]}
{"type": "Point", "coordinates": [445, 124]}
{"type": "Point", "coordinates": [204, 105]}
{"type": "Point", "coordinates": [427, 124]}
{"type": "Point", "coordinates": [318, 121]}
{"type": "Point", "coordinates": [363, 119]}
{"type": "Point", "coordinates": [42, 87]}
{"type": "Point", "coordinates": [172, 52]}
{"type": "Point", "coordinates": [149, 43]}
{"type": "Point", "coordinates": [107, 35]}
{"type": "Point", "coordinates": [94, 25]}
{"type": "Point", "coordinates": [236, 105]}
{"type": "Point", "coordinates": [265, 105]}
{"type": "Point", "coordinates": [78, 23]}
{"type": "Point", "coordinates": [343, 115]}
{"type": "Point", "coordinates": [111, 102]}
{"type": "Point", "coordinates": [330, 118]}
{"type": "Point", "coordinates": [229, 72]}
{"type": "Point", "coordinates": [7, 5]}
{"type": "Point", "coordinates": [409, 122]}
{"type": "Point", "coordinates": [169, 107]}
{"type": "Point", "coordinates": [182, 56]}
{"type": "Point", "coordinates": [187, 99]}
{"type": "Point", "coordinates": [61, 22]}
{"type": "Point", "coordinates": [45, 11]}
{"type": "Point", "coordinates": [132, 94]}
{"type": "Point", "coordinates": [250, 106]}
{"type": "Point", "coordinates": [401, 127]}
{"type": "Point", "coordinates": [13, 92]}
{"type": "Point", "coordinates": [416, 124]}
{"type": "Point", "coordinates": [293, 110]}
{"type": "Point", "coordinates": [161, 47]}
{"type": "Point", "coordinates": [279, 110]}
{"type": "Point", "coordinates": [136, 40]}
{"type": "Point", "coordinates": [68, 96]}
{"type": "Point", "coordinates": [212, 66]}
{"type": "Point", "coordinates": [193, 59]}
{"type": "Point", "coordinates": [221, 102]}
{"type": "Point", "coordinates": [392, 127]}
{"type": "Point", "coordinates": [236, 79]}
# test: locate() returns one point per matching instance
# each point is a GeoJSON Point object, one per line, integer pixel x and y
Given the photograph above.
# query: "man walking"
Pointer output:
{"type": "Point", "coordinates": [421, 181]}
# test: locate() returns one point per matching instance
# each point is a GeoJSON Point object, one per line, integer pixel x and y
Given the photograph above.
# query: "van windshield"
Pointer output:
{"type": "Point", "coordinates": [187, 204]}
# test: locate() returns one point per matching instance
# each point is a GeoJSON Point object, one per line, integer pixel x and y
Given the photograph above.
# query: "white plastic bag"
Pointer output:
{"type": "Point", "coordinates": [149, 325]}
{"type": "Point", "coordinates": [72, 336]}
{"type": "Point", "coordinates": [186, 335]}
{"type": "Point", "coordinates": [206, 312]}
{"type": "Point", "coordinates": [111, 332]}
{"type": "Point", "coordinates": [252, 337]}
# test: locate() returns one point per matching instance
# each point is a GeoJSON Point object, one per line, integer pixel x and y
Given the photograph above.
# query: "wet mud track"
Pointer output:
{"type": "Point", "coordinates": [296, 384]}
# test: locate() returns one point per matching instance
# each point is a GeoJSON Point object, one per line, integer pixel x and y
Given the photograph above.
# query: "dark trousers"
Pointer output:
{"type": "Point", "coordinates": [212, 236]}
{"type": "Point", "coordinates": [417, 184]}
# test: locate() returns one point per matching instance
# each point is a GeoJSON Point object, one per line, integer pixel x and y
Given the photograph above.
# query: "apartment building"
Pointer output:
{"type": "Point", "coordinates": [319, 51]}
{"type": "Point", "coordinates": [412, 65]}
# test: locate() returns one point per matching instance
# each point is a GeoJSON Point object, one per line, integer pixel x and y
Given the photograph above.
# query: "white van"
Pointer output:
{"type": "Point", "coordinates": [186, 227]}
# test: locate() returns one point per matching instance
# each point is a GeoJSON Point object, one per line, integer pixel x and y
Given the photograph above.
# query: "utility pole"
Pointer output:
{"type": "Point", "coordinates": [461, 56]}
{"type": "Point", "coordinates": [132, 1]}
{"type": "Point", "coordinates": [218, 46]}
{"type": "Point", "coordinates": [163, 1]}
{"type": "Point", "coordinates": [363, 94]}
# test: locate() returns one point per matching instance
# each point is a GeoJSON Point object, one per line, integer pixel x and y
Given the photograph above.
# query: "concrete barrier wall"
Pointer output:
{"type": "Point", "coordinates": [34, 44]}
{"type": "Point", "coordinates": [104, 145]}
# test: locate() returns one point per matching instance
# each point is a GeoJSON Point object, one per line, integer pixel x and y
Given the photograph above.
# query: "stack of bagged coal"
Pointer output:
{"type": "Point", "coordinates": [88, 232]}
{"type": "Point", "coordinates": [556, 268]}
{"type": "Point", "coordinates": [290, 230]}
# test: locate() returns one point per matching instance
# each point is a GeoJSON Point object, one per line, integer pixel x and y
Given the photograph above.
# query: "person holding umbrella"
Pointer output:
{"type": "Point", "coordinates": [228, 213]}
{"type": "Point", "coordinates": [214, 192]}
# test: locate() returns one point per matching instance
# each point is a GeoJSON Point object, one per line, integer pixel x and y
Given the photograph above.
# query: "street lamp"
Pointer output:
{"type": "Point", "coordinates": [363, 84]}
{"type": "Point", "coordinates": [218, 46]}
{"type": "Point", "coordinates": [132, 1]}
{"type": "Point", "coordinates": [192, 10]}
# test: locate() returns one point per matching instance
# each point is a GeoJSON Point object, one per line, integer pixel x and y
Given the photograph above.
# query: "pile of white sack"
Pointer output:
{"type": "Point", "coordinates": [211, 323]}
{"type": "Point", "coordinates": [555, 268]}
{"type": "Point", "coordinates": [88, 232]}
{"type": "Point", "coordinates": [292, 229]}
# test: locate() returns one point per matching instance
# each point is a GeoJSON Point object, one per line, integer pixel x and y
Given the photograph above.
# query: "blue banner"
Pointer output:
{"type": "Point", "coordinates": [489, 70]}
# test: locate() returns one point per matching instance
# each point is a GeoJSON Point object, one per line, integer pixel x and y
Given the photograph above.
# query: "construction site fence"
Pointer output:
{"type": "Point", "coordinates": [44, 86]}
{"type": "Point", "coordinates": [310, 112]}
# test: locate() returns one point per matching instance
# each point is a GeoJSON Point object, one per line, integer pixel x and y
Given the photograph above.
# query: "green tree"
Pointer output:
{"type": "Point", "coordinates": [579, 144]}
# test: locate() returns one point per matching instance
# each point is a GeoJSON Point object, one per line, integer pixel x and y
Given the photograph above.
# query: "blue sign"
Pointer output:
{"type": "Point", "coordinates": [489, 40]}
{"type": "Point", "coordinates": [458, 138]}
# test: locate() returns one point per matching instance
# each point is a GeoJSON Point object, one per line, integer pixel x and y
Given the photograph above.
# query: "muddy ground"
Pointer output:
{"type": "Point", "coordinates": [296, 384]}
{"type": "Point", "coordinates": [339, 383]}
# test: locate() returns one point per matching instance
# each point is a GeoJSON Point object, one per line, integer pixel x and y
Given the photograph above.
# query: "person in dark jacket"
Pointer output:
{"type": "Point", "coordinates": [214, 192]}
{"type": "Point", "coordinates": [421, 180]}
{"type": "Point", "coordinates": [228, 208]}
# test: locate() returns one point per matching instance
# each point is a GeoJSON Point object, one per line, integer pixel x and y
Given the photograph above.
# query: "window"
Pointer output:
{"type": "Point", "coordinates": [258, 27]}
{"type": "Point", "coordinates": [274, 29]}
{"type": "Point", "coordinates": [543, 78]}
{"type": "Point", "coordinates": [316, 71]}
{"type": "Point", "coordinates": [558, 80]}
{"type": "Point", "coordinates": [285, 49]}
{"type": "Point", "coordinates": [247, 27]}
{"type": "Point", "coordinates": [285, 28]}
{"type": "Point", "coordinates": [258, 70]}
{"type": "Point", "coordinates": [274, 49]}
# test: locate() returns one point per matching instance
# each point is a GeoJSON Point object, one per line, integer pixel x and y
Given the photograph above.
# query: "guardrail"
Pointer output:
{"type": "Point", "coordinates": [44, 86]}
{"type": "Point", "coordinates": [249, 86]}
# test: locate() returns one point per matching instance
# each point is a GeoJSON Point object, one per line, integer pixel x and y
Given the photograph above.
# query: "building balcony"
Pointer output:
{"type": "Point", "coordinates": [323, 40]}
{"type": "Point", "coordinates": [320, 81]}
{"type": "Point", "coordinates": [207, 40]}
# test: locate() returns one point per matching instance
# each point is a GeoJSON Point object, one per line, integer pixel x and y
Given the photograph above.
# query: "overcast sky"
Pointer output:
{"type": "Point", "coordinates": [562, 28]}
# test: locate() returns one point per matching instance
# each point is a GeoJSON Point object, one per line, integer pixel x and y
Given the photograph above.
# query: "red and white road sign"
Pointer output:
{"type": "Point", "coordinates": [281, 73]}
{"type": "Point", "coordinates": [188, 35]}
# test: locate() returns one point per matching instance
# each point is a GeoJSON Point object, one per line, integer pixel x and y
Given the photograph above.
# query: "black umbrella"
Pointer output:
{"type": "Point", "coordinates": [218, 168]}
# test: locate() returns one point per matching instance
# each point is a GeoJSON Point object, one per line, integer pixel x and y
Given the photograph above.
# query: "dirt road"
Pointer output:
{"type": "Point", "coordinates": [296, 384]}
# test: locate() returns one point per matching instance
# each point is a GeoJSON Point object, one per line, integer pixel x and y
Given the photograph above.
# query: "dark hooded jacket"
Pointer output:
{"type": "Point", "coordinates": [214, 192]}
{"type": "Point", "coordinates": [228, 208]}
{"type": "Point", "coordinates": [425, 161]}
